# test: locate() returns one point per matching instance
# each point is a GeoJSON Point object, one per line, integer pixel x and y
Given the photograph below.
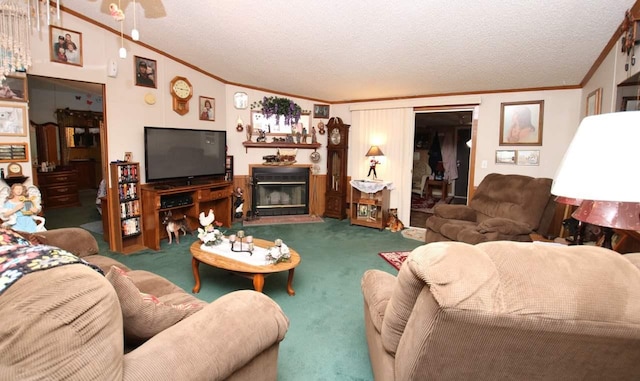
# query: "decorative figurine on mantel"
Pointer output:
{"type": "Point", "coordinates": [262, 137]}
{"type": "Point", "coordinates": [314, 137]}
{"type": "Point", "coordinates": [249, 132]}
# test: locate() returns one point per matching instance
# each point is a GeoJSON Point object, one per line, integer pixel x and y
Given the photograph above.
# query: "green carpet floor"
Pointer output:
{"type": "Point", "coordinates": [326, 339]}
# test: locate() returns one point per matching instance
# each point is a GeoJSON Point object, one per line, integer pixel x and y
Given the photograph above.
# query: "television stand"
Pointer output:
{"type": "Point", "coordinates": [214, 195]}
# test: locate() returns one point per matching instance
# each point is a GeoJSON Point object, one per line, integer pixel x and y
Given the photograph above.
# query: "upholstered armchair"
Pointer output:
{"type": "Point", "coordinates": [504, 207]}
{"type": "Point", "coordinates": [505, 311]}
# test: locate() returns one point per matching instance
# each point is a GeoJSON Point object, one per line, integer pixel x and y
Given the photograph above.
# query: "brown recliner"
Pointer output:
{"type": "Point", "coordinates": [504, 207]}
{"type": "Point", "coordinates": [505, 311]}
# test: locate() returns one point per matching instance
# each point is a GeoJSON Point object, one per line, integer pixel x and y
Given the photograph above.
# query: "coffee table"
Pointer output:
{"type": "Point", "coordinates": [256, 273]}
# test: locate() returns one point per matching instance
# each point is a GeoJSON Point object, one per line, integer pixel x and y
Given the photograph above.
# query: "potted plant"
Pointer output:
{"type": "Point", "coordinates": [279, 107]}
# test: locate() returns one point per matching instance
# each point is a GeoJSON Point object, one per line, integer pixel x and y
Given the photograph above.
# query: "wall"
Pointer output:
{"type": "Point", "coordinates": [127, 113]}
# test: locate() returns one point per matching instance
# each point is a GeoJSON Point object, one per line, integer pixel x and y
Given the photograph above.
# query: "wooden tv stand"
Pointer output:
{"type": "Point", "coordinates": [187, 200]}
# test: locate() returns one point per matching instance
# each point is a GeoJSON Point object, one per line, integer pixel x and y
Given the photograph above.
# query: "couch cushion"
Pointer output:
{"type": "Point", "coordinates": [61, 324]}
{"type": "Point", "coordinates": [145, 315]}
{"type": "Point", "coordinates": [104, 263]}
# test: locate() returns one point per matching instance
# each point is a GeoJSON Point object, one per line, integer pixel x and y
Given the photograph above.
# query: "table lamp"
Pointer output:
{"type": "Point", "coordinates": [598, 167]}
{"type": "Point", "coordinates": [373, 152]}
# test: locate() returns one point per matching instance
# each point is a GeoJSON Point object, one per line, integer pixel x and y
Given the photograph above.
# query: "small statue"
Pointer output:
{"type": "Point", "coordinates": [314, 137]}
{"type": "Point", "coordinates": [238, 203]}
{"type": "Point", "coordinates": [304, 135]}
{"type": "Point", "coordinates": [249, 132]}
{"type": "Point", "coordinates": [298, 136]}
{"type": "Point", "coordinates": [262, 136]}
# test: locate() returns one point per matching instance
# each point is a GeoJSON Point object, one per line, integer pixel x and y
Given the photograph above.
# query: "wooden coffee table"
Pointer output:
{"type": "Point", "coordinates": [257, 273]}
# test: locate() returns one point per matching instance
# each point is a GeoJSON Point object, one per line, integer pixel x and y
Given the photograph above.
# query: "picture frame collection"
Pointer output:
{"type": "Point", "coordinates": [518, 157]}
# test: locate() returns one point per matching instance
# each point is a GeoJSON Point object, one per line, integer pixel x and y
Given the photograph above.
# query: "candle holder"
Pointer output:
{"type": "Point", "coordinates": [245, 243]}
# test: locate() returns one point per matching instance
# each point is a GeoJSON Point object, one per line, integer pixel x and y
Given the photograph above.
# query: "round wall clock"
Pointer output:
{"type": "Point", "coordinates": [181, 91]}
{"type": "Point", "coordinates": [315, 156]}
{"type": "Point", "coordinates": [240, 100]}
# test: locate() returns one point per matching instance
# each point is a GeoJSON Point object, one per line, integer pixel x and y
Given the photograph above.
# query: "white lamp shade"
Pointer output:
{"type": "Point", "coordinates": [602, 160]}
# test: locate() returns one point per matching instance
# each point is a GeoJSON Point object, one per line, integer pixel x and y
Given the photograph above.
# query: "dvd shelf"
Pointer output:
{"type": "Point", "coordinates": [125, 179]}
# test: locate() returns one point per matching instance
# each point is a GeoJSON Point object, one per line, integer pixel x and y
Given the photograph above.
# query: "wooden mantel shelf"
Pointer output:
{"type": "Point", "coordinates": [313, 146]}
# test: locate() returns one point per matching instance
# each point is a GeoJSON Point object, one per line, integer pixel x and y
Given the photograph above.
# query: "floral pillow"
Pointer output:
{"type": "Point", "coordinates": [145, 315]}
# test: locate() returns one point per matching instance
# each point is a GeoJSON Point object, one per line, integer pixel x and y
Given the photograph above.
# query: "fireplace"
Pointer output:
{"type": "Point", "coordinates": [280, 190]}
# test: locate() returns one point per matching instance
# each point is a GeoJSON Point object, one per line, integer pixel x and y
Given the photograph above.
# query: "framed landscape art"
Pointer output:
{"type": "Point", "coordinates": [13, 119]}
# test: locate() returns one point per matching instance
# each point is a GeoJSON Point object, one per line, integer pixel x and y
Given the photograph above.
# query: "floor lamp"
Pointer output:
{"type": "Point", "coordinates": [598, 168]}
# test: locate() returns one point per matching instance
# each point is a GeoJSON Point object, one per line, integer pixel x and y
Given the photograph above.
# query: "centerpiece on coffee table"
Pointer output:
{"type": "Point", "coordinates": [209, 233]}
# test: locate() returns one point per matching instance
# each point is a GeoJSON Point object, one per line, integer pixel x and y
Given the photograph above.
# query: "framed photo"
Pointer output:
{"type": "Point", "coordinates": [505, 157]}
{"type": "Point", "coordinates": [630, 103]}
{"type": "Point", "coordinates": [321, 111]}
{"type": "Point", "coordinates": [594, 102]}
{"type": "Point", "coordinates": [14, 89]}
{"type": "Point", "coordinates": [521, 123]}
{"type": "Point", "coordinates": [65, 45]}
{"type": "Point", "coordinates": [363, 211]}
{"type": "Point", "coordinates": [373, 212]}
{"type": "Point", "coordinates": [207, 109]}
{"type": "Point", "coordinates": [529, 157]}
{"type": "Point", "coordinates": [145, 69]}
{"type": "Point", "coordinates": [13, 119]}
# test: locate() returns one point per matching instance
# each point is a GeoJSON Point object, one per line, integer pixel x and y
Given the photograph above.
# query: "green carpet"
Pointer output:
{"type": "Point", "coordinates": [326, 339]}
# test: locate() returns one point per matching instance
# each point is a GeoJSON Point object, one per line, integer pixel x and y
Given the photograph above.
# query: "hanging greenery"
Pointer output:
{"type": "Point", "coordinates": [280, 107]}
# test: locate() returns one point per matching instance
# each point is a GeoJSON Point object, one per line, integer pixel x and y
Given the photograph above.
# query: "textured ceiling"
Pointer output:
{"type": "Point", "coordinates": [338, 50]}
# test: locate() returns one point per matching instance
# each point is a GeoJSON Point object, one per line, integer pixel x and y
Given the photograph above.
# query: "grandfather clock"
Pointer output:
{"type": "Point", "coordinates": [337, 146]}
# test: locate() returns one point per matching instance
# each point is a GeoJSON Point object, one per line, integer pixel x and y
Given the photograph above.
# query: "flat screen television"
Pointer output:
{"type": "Point", "coordinates": [183, 154]}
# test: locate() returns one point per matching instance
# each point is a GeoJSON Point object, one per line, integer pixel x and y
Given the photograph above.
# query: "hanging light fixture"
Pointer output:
{"type": "Point", "coordinates": [135, 35]}
{"type": "Point", "coordinates": [120, 17]}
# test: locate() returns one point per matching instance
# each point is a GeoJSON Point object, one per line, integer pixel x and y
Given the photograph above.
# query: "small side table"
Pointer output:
{"type": "Point", "coordinates": [442, 184]}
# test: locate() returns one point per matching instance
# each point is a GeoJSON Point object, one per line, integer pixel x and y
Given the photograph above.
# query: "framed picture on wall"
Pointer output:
{"type": "Point", "coordinates": [528, 157]}
{"type": "Point", "coordinates": [505, 157]}
{"type": "Point", "coordinates": [594, 102]}
{"type": "Point", "coordinates": [521, 123]}
{"type": "Point", "coordinates": [207, 109]}
{"type": "Point", "coordinates": [145, 69]}
{"type": "Point", "coordinates": [14, 89]}
{"type": "Point", "coordinates": [13, 119]}
{"type": "Point", "coordinates": [321, 111]}
{"type": "Point", "coordinates": [65, 46]}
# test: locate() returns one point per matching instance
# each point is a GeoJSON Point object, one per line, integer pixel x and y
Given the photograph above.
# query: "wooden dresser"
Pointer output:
{"type": "Point", "coordinates": [59, 188]}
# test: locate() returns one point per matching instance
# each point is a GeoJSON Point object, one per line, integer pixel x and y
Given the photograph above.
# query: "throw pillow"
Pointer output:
{"type": "Point", "coordinates": [144, 315]}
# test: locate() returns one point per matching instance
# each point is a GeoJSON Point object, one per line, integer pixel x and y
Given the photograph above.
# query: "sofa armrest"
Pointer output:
{"type": "Point", "coordinates": [74, 240]}
{"type": "Point", "coordinates": [213, 343]}
{"type": "Point", "coordinates": [377, 287]}
{"type": "Point", "coordinates": [455, 212]}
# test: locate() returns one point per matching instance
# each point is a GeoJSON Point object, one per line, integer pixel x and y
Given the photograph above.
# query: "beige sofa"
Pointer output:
{"type": "Point", "coordinates": [505, 311]}
{"type": "Point", "coordinates": [504, 207]}
{"type": "Point", "coordinates": [69, 322]}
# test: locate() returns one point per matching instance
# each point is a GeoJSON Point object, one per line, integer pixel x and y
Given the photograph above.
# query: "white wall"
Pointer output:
{"type": "Point", "coordinates": [127, 113]}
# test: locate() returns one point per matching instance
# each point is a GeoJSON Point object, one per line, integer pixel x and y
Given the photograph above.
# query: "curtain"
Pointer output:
{"type": "Point", "coordinates": [449, 156]}
{"type": "Point", "coordinates": [392, 131]}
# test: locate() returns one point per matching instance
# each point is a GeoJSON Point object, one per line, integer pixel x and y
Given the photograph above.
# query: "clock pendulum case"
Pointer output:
{"type": "Point", "coordinates": [181, 91]}
{"type": "Point", "coordinates": [337, 146]}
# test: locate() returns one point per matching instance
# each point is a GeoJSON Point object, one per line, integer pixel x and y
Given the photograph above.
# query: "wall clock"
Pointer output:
{"type": "Point", "coordinates": [181, 91]}
{"type": "Point", "coordinates": [336, 191]}
{"type": "Point", "coordinates": [240, 100]}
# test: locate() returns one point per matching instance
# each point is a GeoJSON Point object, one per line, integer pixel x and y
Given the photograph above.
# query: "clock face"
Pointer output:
{"type": "Point", "coordinates": [182, 89]}
{"type": "Point", "coordinates": [335, 136]}
{"type": "Point", "coordinates": [14, 169]}
{"type": "Point", "coordinates": [315, 156]}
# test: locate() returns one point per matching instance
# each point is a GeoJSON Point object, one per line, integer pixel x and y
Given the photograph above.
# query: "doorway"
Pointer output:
{"type": "Point", "coordinates": [433, 129]}
{"type": "Point", "coordinates": [68, 131]}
